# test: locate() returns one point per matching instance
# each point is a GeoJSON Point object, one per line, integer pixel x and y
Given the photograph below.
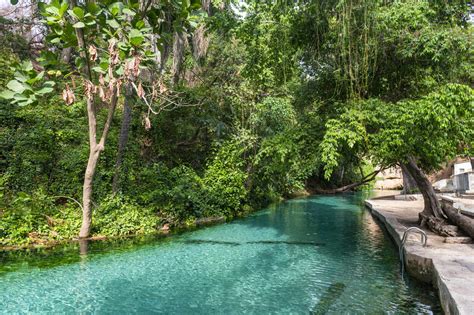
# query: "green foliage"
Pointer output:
{"type": "Point", "coordinates": [284, 96]}
{"type": "Point", "coordinates": [225, 190]}
{"type": "Point", "coordinates": [272, 115]}
{"type": "Point", "coordinates": [119, 216]}
{"type": "Point", "coordinates": [27, 219]}
{"type": "Point", "coordinates": [28, 86]}
{"type": "Point", "coordinates": [384, 133]}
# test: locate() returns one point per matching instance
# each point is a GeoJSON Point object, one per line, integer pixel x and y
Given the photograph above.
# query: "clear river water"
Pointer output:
{"type": "Point", "coordinates": [316, 255]}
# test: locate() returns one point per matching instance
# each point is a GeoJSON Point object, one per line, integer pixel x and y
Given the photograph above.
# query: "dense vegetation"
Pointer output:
{"type": "Point", "coordinates": [130, 116]}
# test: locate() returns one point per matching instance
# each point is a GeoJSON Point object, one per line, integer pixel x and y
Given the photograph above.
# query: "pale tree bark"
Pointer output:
{"type": "Point", "coordinates": [95, 148]}
{"type": "Point", "coordinates": [179, 43]}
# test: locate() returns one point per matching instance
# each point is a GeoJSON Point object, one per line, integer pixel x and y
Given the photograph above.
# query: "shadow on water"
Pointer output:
{"type": "Point", "coordinates": [271, 242]}
{"type": "Point", "coordinates": [328, 299]}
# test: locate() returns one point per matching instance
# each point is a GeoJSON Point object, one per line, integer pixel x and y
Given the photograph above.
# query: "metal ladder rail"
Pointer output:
{"type": "Point", "coordinates": [423, 239]}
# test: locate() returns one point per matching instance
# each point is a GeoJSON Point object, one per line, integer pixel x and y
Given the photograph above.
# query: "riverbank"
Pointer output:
{"type": "Point", "coordinates": [163, 231]}
{"type": "Point", "coordinates": [448, 267]}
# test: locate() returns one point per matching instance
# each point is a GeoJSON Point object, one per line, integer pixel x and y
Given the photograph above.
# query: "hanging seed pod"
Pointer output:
{"type": "Point", "coordinates": [101, 79]}
{"type": "Point", "coordinates": [89, 89]}
{"type": "Point", "coordinates": [140, 91]}
{"type": "Point", "coordinates": [92, 53]}
{"type": "Point", "coordinates": [102, 95]}
{"type": "Point", "coordinates": [68, 95]}
{"type": "Point", "coordinates": [118, 85]}
{"type": "Point", "coordinates": [136, 66]}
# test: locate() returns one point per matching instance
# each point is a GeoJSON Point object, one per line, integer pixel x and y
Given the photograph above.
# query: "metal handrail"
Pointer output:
{"type": "Point", "coordinates": [423, 239]}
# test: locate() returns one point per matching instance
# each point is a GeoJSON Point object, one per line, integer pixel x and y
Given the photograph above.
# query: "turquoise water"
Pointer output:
{"type": "Point", "coordinates": [307, 256]}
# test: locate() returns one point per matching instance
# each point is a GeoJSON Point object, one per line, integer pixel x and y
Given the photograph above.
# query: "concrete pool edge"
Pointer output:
{"type": "Point", "coordinates": [446, 273]}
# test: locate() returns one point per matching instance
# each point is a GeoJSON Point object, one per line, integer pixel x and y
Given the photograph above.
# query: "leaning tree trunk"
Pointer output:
{"type": "Point", "coordinates": [409, 183]}
{"type": "Point", "coordinates": [123, 138]}
{"type": "Point", "coordinates": [432, 206]}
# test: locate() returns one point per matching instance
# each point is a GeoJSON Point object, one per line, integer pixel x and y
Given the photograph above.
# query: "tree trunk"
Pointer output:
{"type": "Point", "coordinates": [432, 204]}
{"type": "Point", "coordinates": [472, 163]}
{"type": "Point", "coordinates": [178, 56]}
{"type": "Point", "coordinates": [94, 147]}
{"type": "Point", "coordinates": [123, 138]}
{"type": "Point", "coordinates": [87, 193]}
{"type": "Point", "coordinates": [465, 223]}
{"type": "Point", "coordinates": [409, 184]}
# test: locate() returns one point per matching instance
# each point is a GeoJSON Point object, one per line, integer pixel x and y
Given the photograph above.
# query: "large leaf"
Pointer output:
{"type": "Point", "coordinates": [45, 90]}
{"type": "Point", "coordinates": [16, 86]}
{"type": "Point", "coordinates": [113, 23]}
{"type": "Point", "coordinates": [7, 94]}
{"type": "Point", "coordinates": [136, 37]}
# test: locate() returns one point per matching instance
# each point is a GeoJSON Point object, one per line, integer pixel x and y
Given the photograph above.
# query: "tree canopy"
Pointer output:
{"type": "Point", "coordinates": [128, 117]}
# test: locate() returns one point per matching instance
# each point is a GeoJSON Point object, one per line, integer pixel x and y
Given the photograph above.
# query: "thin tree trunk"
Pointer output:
{"type": "Point", "coordinates": [365, 180]}
{"type": "Point", "coordinates": [409, 183]}
{"type": "Point", "coordinates": [66, 54]}
{"type": "Point", "coordinates": [123, 138]}
{"type": "Point", "coordinates": [87, 193]}
{"type": "Point", "coordinates": [178, 56]}
{"type": "Point", "coordinates": [432, 204]}
{"type": "Point", "coordinates": [94, 147]}
{"type": "Point", "coordinates": [472, 163]}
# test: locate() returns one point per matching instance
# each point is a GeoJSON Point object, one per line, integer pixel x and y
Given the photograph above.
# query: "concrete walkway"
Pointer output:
{"type": "Point", "coordinates": [449, 267]}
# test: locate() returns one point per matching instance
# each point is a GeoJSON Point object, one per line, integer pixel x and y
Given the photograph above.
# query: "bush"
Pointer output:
{"type": "Point", "coordinates": [118, 215]}
{"type": "Point", "coordinates": [224, 181]}
{"type": "Point", "coordinates": [27, 220]}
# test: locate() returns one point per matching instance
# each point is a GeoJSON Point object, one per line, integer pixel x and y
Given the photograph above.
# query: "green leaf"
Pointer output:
{"type": "Point", "coordinates": [78, 12]}
{"type": "Point", "coordinates": [45, 90]}
{"type": "Point", "coordinates": [7, 94]}
{"type": "Point", "coordinates": [27, 65]}
{"type": "Point", "coordinates": [16, 86]}
{"type": "Point", "coordinates": [52, 9]}
{"type": "Point", "coordinates": [49, 83]}
{"type": "Point", "coordinates": [63, 8]}
{"type": "Point", "coordinates": [136, 37]}
{"type": "Point", "coordinates": [113, 23]}
{"type": "Point", "coordinates": [14, 2]}
{"type": "Point", "coordinates": [79, 25]}
{"type": "Point", "coordinates": [98, 70]}
{"type": "Point", "coordinates": [128, 12]}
